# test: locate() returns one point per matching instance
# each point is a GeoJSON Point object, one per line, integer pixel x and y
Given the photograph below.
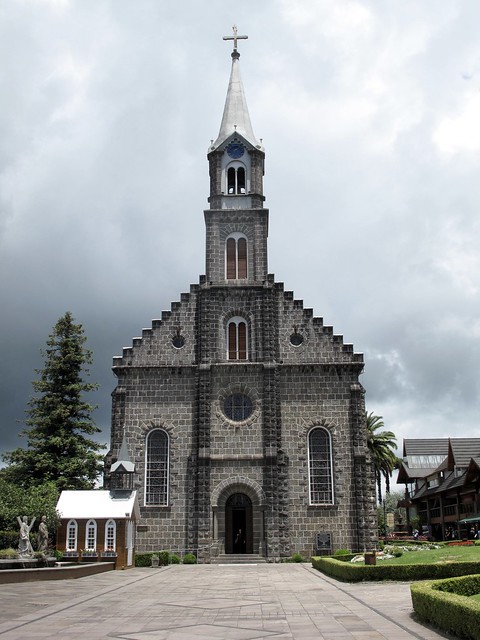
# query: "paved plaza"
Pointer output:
{"type": "Point", "coordinates": [209, 602]}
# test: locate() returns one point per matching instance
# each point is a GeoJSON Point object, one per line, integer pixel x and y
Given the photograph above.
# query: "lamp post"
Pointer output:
{"type": "Point", "coordinates": [385, 518]}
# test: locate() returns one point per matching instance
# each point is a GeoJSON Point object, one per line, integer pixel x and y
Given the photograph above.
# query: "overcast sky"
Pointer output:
{"type": "Point", "coordinates": [370, 116]}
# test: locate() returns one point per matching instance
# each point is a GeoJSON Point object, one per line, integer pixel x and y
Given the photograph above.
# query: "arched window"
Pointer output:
{"type": "Point", "coordinates": [91, 535]}
{"type": "Point", "coordinates": [320, 476]}
{"type": "Point", "coordinates": [72, 533]}
{"type": "Point", "coordinates": [156, 468]}
{"type": "Point", "coordinates": [237, 339]}
{"type": "Point", "coordinates": [236, 257]}
{"type": "Point", "coordinates": [110, 535]}
{"type": "Point", "coordinates": [236, 180]}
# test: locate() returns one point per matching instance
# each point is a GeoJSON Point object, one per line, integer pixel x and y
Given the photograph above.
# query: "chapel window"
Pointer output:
{"type": "Point", "coordinates": [236, 257]}
{"type": "Point", "coordinates": [156, 468]}
{"type": "Point", "coordinates": [72, 533]}
{"type": "Point", "coordinates": [110, 535]}
{"type": "Point", "coordinates": [320, 470]}
{"type": "Point", "coordinates": [91, 535]}
{"type": "Point", "coordinates": [237, 339]}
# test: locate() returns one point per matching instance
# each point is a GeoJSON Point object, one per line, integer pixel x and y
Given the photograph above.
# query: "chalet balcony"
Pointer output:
{"type": "Point", "coordinates": [450, 510]}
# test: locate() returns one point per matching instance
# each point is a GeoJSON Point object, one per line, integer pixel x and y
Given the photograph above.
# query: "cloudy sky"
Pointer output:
{"type": "Point", "coordinates": [370, 115]}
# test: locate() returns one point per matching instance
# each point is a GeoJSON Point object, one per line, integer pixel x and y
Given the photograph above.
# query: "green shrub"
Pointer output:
{"type": "Point", "coordinates": [295, 557]}
{"type": "Point", "coordinates": [10, 539]}
{"type": "Point", "coordinates": [163, 558]}
{"type": "Point", "coordinates": [8, 554]}
{"type": "Point", "coordinates": [446, 604]}
{"type": "Point", "coordinates": [189, 558]}
{"type": "Point", "coordinates": [351, 572]}
{"type": "Point", "coordinates": [342, 552]}
{"type": "Point", "coordinates": [144, 559]}
{"type": "Point", "coordinates": [174, 559]}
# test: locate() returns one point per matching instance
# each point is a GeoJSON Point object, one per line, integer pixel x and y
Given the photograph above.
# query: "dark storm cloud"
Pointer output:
{"type": "Point", "coordinates": [371, 180]}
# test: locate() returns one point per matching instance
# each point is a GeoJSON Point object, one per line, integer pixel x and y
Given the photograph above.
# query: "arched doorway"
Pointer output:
{"type": "Point", "coordinates": [238, 524]}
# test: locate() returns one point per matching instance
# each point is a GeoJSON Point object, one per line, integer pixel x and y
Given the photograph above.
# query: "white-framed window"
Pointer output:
{"type": "Point", "coordinates": [110, 535]}
{"type": "Point", "coordinates": [237, 339]}
{"type": "Point", "coordinates": [320, 468]}
{"type": "Point", "coordinates": [72, 535]}
{"type": "Point", "coordinates": [156, 468]}
{"type": "Point", "coordinates": [236, 179]}
{"type": "Point", "coordinates": [236, 256]}
{"type": "Point", "coordinates": [91, 535]}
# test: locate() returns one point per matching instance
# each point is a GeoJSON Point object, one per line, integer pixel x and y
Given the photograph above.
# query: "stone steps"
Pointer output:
{"type": "Point", "coordinates": [238, 558]}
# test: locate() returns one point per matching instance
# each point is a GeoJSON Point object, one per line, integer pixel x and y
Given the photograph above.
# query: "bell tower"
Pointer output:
{"type": "Point", "coordinates": [236, 223]}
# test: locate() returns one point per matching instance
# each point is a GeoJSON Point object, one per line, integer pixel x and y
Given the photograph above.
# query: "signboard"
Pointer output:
{"type": "Point", "coordinates": [390, 520]}
{"type": "Point", "coordinates": [324, 541]}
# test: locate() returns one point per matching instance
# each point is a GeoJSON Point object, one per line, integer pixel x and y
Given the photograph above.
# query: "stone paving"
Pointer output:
{"type": "Point", "coordinates": [209, 602]}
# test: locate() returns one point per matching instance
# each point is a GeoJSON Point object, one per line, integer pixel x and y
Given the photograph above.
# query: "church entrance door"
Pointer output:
{"type": "Point", "coordinates": [238, 524]}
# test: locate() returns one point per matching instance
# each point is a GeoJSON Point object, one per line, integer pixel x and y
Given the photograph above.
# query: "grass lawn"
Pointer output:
{"type": "Point", "coordinates": [436, 556]}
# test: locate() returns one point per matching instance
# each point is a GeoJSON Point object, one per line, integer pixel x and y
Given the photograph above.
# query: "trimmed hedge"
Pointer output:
{"type": "Point", "coordinates": [445, 604]}
{"type": "Point", "coordinates": [350, 572]}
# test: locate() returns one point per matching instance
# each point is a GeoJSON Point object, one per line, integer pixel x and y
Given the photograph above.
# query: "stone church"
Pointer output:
{"type": "Point", "coordinates": [239, 416]}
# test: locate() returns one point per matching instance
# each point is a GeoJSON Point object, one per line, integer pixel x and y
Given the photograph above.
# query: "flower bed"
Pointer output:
{"type": "Point", "coordinates": [461, 543]}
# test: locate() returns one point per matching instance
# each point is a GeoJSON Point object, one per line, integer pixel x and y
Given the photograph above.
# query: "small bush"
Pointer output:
{"type": "Point", "coordinates": [342, 552]}
{"type": "Point", "coordinates": [174, 559]}
{"type": "Point", "coordinates": [297, 557]}
{"type": "Point", "coordinates": [8, 554]}
{"type": "Point", "coordinates": [163, 558]}
{"type": "Point", "coordinates": [189, 558]}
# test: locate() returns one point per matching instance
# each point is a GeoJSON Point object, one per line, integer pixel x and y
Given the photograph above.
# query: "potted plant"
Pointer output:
{"type": "Point", "coordinates": [89, 555]}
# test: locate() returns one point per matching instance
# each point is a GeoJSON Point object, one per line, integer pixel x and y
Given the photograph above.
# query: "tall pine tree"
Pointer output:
{"type": "Point", "coordinates": [59, 447]}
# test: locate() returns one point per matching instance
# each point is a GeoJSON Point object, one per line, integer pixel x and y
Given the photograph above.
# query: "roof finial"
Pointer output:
{"type": "Point", "coordinates": [235, 37]}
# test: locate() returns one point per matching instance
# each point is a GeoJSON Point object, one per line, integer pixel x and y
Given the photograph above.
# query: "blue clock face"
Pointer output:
{"type": "Point", "coordinates": [235, 150]}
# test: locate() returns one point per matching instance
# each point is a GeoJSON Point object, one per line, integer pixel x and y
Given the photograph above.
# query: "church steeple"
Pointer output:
{"type": "Point", "coordinates": [236, 157]}
{"type": "Point", "coordinates": [236, 118]}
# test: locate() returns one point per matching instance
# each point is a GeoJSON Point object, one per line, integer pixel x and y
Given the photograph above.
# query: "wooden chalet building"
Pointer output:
{"type": "Point", "coordinates": [442, 480]}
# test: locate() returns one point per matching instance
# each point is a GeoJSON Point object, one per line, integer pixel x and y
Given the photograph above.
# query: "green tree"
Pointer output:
{"type": "Point", "coordinates": [59, 447]}
{"type": "Point", "coordinates": [391, 505]}
{"type": "Point", "coordinates": [382, 446]}
{"type": "Point", "coordinates": [35, 501]}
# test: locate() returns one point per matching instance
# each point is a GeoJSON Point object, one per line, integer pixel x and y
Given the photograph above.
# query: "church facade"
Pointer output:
{"type": "Point", "coordinates": [241, 412]}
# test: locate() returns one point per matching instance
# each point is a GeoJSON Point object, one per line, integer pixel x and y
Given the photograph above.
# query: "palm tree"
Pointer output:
{"type": "Point", "coordinates": [382, 446]}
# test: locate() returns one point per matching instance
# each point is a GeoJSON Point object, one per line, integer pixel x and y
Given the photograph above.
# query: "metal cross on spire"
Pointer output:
{"type": "Point", "coordinates": [235, 37]}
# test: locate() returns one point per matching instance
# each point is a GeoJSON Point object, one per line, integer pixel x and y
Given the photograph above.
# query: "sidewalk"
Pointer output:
{"type": "Point", "coordinates": [211, 602]}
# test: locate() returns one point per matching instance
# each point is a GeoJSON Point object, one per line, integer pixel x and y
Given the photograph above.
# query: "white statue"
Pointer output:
{"type": "Point", "coordinates": [24, 545]}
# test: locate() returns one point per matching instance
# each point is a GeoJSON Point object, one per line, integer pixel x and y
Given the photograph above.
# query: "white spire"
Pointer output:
{"type": "Point", "coordinates": [236, 118]}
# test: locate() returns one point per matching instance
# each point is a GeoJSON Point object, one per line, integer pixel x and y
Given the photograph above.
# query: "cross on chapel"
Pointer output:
{"type": "Point", "coordinates": [235, 37]}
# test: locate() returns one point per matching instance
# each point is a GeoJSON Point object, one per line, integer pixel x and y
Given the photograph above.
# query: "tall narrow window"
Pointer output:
{"type": "Point", "coordinates": [156, 468]}
{"type": "Point", "coordinates": [236, 181]}
{"type": "Point", "coordinates": [110, 535]}
{"type": "Point", "coordinates": [72, 531]}
{"type": "Point", "coordinates": [237, 339]}
{"type": "Point", "coordinates": [91, 535]}
{"type": "Point", "coordinates": [236, 257]}
{"type": "Point", "coordinates": [320, 466]}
